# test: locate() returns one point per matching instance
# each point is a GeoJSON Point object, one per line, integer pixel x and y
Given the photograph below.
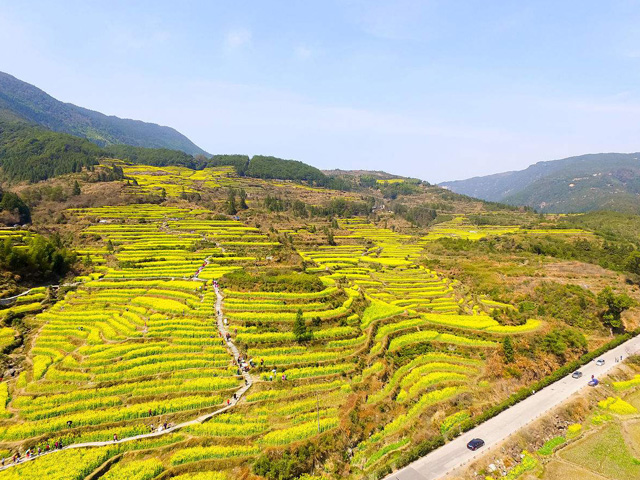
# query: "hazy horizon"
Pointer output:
{"type": "Point", "coordinates": [435, 90]}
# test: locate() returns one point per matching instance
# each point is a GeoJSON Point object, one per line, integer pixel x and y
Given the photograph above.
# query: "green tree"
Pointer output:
{"type": "Point", "coordinates": [41, 258]}
{"type": "Point", "coordinates": [232, 207]}
{"type": "Point", "coordinates": [300, 328]}
{"type": "Point", "coordinates": [242, 204]}
{"type": "Point", "coordinates": [12, 203]}
{"type": "Point", "coordinates": [163, 194]}
{"type": "Point", "coordinates": [76, 189]}
{"type": "Point", "coordinates": [299, 209]}
{"type": "Point", "coordinates": [633, 262]}
{"type": "Point", "coordinates": [330, 239]}
{"type": "Point", "coordinates": [615, 305]}
{"type": "Point", "coordinates": [507, 349]}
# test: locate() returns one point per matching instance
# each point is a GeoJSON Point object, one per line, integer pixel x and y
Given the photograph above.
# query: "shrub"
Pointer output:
{"type": "Point", "coordinates": [550, 445]}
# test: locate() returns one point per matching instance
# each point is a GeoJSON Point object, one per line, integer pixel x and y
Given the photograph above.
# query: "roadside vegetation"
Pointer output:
{"type": "Point", "coordinates": [594, 436]}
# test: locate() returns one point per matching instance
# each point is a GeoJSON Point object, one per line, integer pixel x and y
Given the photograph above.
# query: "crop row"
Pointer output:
{"type": "Point", "coordinates": [129, 412]}
{"type": "Point", "coordinates": [280, 337]}
{"type": "Point", "coordinates": [419, 362]}
{"type": "Point", "coordinates": [433, 336]}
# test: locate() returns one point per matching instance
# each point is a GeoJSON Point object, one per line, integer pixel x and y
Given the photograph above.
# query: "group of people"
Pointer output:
{"type": "Point", "coordinates": [161, 427]}
{"type": "Point", "coordinates": [274, 374]}
{"type": "Point", "coordinates": [244, 365]}
{"type": "Point", "coordinates": [204, 264]}
{"type": "Point", "coordinates": [32, 453]}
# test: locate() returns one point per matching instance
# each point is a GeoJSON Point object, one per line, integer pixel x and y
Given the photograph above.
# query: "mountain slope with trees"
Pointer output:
{"type": "Point", "coordinates": [577, 184]}
{"type": "Point", "coordinates": [22, 101]}
{"type": "Point", "coordinates": [32, 153]}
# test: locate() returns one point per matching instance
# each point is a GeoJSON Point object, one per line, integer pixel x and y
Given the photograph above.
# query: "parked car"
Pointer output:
{"type": "Point", "coordinates": [576, 374]}
{"type": "Point", "coordinates": [600, 362]}
{"type": "Point", "coordinates": [475, 444]}
{"type": "Point", "coordinates": [593, 382]}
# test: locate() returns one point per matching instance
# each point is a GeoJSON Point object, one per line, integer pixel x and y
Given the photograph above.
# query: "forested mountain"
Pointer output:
{"type": "Point", "coordinates": [576, 184]}
{"type": "Point", "coordinates": [22, 101]}
{"type": "Point", "coordinates": [28, 152]}
{"type": "Point", "coordinates": [33, 153]}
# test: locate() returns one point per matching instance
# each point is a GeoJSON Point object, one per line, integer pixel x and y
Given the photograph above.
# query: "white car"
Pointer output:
{"type": "Point", "coordinates": [600, 362]}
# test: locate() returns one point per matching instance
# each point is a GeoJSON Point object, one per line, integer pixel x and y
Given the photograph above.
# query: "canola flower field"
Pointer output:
{"type": "Point", "coordinates": [136, 346]}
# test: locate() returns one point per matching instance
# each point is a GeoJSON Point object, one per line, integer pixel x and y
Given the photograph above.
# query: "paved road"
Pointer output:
{"type": "Point", "coordinates": [454, 454]}
{"type": "Point", "coordinates": [232, 402]}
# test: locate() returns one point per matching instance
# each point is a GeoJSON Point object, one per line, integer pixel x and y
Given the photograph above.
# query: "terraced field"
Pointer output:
{"type": "Point", "coordinates": [429, 339]}
{"type": "Point", "coordinates": [173, 181]}
{"type": "Point", "coordinates": [137, 346]}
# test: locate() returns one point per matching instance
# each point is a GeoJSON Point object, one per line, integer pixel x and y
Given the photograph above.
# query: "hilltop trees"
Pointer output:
{"type": "Point", "coordinates": [273, 167]}
{"type": "Point", "coordinates": [239, 162]}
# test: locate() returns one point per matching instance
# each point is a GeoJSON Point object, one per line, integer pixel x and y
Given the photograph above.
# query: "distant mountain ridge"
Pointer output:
{"type": "Point", "coordinates": [22, 101]}
{"type": "Point", "coordinates": [602, 181]}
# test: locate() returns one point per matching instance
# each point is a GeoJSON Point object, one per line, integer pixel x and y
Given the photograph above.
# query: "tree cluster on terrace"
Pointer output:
{"type": "Point", "coordinates": [42, 259]}
{"type": "Point", "coordinates": [337, 207]}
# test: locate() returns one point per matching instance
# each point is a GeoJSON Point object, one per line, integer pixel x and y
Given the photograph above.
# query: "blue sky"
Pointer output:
{"type": "Point", "coordinates": [439, 90]}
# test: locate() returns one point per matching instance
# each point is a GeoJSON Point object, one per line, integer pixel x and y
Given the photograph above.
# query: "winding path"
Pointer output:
{"type": "Point", "coordinates": [453, 455]}
{"type": "Point", "coordinates": [9, 300]}
{"type": "Point", "coordinates": [203, 418]}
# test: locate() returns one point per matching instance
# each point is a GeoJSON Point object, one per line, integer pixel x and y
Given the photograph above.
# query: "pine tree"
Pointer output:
{"type": "Point", "coordinates": [76, 189]}
{"type": "Point", "coordinates": [232, 208]}
{"type": "Point", "coordinates": [300, 328]}
{"type": "Point", "coordinates": [243, 199]}
{"type": "Point", "coordinates": [507, 348]}
{"type": "Point", "coordinates": [330, 239]}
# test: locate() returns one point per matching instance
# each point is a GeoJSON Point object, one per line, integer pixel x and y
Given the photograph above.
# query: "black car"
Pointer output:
{"type": "Point", "coordinates": [475, 444]}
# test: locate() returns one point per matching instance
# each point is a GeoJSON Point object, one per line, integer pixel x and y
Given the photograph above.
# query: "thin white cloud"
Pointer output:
{"type": "Point", "coordinates": [150, 33]}
{"type": "Point", "coordinates": [303, 52]}
{"type": "Point", "coordinates": [127, 39]}
{"type": "Point", "coordinates": [237, 38]}
{"type": "Point", "coordinates": [398, 20]}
